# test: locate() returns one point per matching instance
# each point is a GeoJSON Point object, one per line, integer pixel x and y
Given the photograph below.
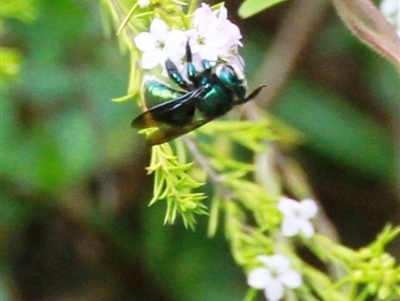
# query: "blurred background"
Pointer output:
{"type": "Point", "coordinates": [75, 222]}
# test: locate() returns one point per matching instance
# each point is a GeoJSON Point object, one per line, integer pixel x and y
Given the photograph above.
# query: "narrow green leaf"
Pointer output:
{"type": "Point", "coordinates": [126, 20]}
{"type": "Point", "coordinates": [338, 131]}
{"type": "Point", "coordinates": [252, 7]}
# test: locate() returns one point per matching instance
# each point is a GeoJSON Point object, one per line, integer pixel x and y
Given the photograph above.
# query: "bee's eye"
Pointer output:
{"type": "Point", "coordinates": [230, 72]}
{"type": "Point", "coordinates": [227, 74]}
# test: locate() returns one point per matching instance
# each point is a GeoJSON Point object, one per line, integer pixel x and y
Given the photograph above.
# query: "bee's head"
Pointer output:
{"type": "Point", "coordinates": [232, 78]}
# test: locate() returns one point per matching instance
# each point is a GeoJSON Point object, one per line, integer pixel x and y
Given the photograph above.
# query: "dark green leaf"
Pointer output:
{"type": "Point", "coordinates": [337, 130]}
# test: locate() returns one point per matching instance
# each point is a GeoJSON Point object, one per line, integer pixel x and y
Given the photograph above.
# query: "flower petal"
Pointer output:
{"type": "Point", "coordinates": [202, 14]}
{"type": "Point", "coordinates": [236, 60]}
{"type": "Point", "coordinates": [277, 263]}
{"type": "Point", "coordinates": [290, 227]}
{"type": "Point", "coordinates": [222, 13]}
{"type": "Point", "coordinates": [233, 31]}
{"type": "Point", "coordinates": [274, 291]}
{"type": "Point", "coordinates": [259, 278]}
{"type": "Point", "coordinates": [208, 54]}
{"type": "Point", "coordinates": [144, 41]}
{"type": "Point", "coordinates": [150, 60]}
{"type": "Point", "coordinates": [287, 206]}
{"type": "Point", "coordinates": [308, 208]}
{"type": "Point", "coordinates": [291, 279]}
{"type": "Point", "coordinates": [177, 37]}
{"type": "Point", "coordinates": [306, 228]}
{"type": "Point", "coordinates": [216, 39]}
{"type": "Point", "coordinates": [158, 28]}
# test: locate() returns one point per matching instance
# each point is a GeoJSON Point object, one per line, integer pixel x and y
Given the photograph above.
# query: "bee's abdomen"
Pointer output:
{"type": "Point", "coordinates": [155, 92]}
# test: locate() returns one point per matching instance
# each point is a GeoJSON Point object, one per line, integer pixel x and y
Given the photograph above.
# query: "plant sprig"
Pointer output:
{"type": "Point", "coordinates": [173, 184]}
{"type": "Point", "coordinates": [253, 212]}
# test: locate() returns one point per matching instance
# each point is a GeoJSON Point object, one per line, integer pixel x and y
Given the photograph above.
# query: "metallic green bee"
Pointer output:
{"type": "Point", "coordinates": [207, 95]}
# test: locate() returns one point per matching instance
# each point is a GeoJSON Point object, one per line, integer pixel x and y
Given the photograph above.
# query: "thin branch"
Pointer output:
{"type": "Point", "coordinates": [202, 160]}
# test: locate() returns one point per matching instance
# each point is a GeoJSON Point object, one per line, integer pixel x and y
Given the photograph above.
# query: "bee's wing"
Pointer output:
{"type": "Point", "coordinates": [166, 133]}
{"type": "Point", "coordinates": [174, 112]}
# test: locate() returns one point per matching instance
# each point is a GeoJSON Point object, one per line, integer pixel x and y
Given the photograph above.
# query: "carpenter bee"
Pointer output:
{"type": "Point", "coordinates": [205, 96]}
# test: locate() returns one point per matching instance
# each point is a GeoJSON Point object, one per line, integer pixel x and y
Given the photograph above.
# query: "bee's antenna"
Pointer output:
{"type": "Point", "coordinates": [255, 92]}
{"type": "Point", "coordinates": [188, 52]}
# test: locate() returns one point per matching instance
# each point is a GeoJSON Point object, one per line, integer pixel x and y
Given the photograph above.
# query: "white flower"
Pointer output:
{"type": "Point", "coordinates": [233, 58]}
{"type": "Point", "coordinates": [212, 38]}
{"type": "Point", "coordinates": [296, 216]}
{"type": "Point", "coordinates": [207, 41]}
{"type": "Point", "coordinates": [274, 277]}
{"type": "Point", "coordinates": [175, 50]}
{"type": "Point", "coordinates": [391, 11]}
{"type": "Point", "coordinates": [157, 44]}
{"type": "Point", "coordinates": [202, 13]}
{"type": "Point", "coordinates": [228, 27]}
{"type": "Point", "coordinates": [214, 35]}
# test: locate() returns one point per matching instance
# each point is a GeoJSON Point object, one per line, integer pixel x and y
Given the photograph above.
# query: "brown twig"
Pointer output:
{"type": "Point", "coordinates": [224, 191]}
{"type": "Point", "coordinates": [297, 26]}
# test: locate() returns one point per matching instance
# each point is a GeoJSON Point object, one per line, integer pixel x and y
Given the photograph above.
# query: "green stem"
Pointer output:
{"type": "Point", "coordinates": [192, 7]}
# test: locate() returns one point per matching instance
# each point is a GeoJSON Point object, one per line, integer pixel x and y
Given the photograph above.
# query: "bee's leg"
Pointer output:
{"type": "Point", "coordinates": [191, 70]}
{"type": "Point", "coordinates": [251, 96]}
{"type": "Point", "coordinates": [207, 66]}
{"type": "Point", "coordinates": [174, 74]}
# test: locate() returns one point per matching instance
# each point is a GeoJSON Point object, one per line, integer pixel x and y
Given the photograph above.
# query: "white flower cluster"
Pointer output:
{"type": "Point", "coordinates": [296, 216]}
{"type": "Point", "coordinates": [212, 37]}
{"type": "Point", "coordinates": [277, 274]}
{"type": "Point", "coordinates": [274, 276]}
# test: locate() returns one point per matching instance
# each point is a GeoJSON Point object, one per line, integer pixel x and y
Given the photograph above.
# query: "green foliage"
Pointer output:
{"type": "Point", "coordinates": [252, 220]}
{"type": "Point", "coordinates": [61, 137]}
{"type": "Point", "coordinates": [171, 181]}
{"type": "Point", "coordinates": [245, 133]}
{"type": "Point", "coordinates": [371, 272]}
{"type": "Point", "coordinates": [22, 10]}
{"type": "Point", "coordinates": [252, 7]}
{"type": "Point", "coordinates": [50, 152]}
{"type": "Point", "coordinates": [10, 61]}
{"type": "Point", "coordinates": [342, 131]}
{"type": "Point", "coordinates": [363, 18]}
{"type": "Point", "coordinates": [174, 185]}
